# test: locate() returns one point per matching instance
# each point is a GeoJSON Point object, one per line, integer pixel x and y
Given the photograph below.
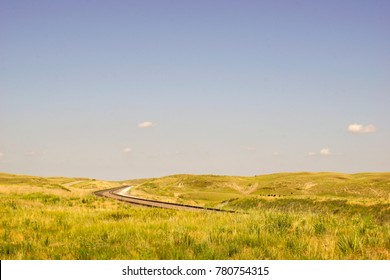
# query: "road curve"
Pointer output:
{"type": "Point", "coordinates": [118, 193]}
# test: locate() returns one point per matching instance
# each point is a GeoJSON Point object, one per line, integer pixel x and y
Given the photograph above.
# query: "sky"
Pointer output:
{"type": "Point", "coordinates": [117, 89]}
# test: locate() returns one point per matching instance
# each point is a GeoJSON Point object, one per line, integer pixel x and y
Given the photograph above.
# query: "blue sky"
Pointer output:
{"type": "Point", "coordinates": [127, 89]}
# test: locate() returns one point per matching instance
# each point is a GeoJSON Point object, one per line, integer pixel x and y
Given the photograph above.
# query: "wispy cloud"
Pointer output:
{"type": "Point", "coordinates": [1, 154]}
{"type": "Point", "coordinates": [127, 150]}
{"type": "Point", "coordinates": [145, 124]}
{"type": "Point", "coordinates": [359, 128]}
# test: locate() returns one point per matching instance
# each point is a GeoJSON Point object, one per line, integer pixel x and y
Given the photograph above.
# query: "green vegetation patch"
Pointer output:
{"type": "Point", "coordinates": [51, 223]}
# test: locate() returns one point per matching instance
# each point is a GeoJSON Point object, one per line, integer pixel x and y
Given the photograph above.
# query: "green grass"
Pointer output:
{"type": "Point", "coordinates": [59, 218]}
{"type": "Point", "coordinates": [336, 185]}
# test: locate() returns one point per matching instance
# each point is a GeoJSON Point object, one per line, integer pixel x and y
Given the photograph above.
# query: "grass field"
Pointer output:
{"type": "Point", "coordinates": [282, 216]}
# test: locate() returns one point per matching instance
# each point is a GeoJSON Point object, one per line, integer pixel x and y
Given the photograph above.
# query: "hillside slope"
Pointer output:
{"type": "Point", "coordinates": [201, 189]}
{"type": "Point", "coordinates": [281, 216]}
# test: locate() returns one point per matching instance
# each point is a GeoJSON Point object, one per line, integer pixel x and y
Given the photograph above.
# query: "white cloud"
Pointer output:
{"type": "Point", "coordinates": [324, 152]}
{"type": "Point", "coordinates": [145, 124]}
{"type": "Point", "coordinates": [276, 154]}
{"type": "Point", "coordinates": [31, 153]}
{"type": "Point", "coordinates": [359, 128]}
{"type": "Point", "coordinates": [250, 148]}
{"type": "Point", "coordinates": [2, 160]}
{"type": "Point", "coordinates": [127, 150]}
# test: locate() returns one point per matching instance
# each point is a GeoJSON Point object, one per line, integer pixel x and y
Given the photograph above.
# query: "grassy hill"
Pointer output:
{"type": "Point", "coordinates": [21, 181]}
{"type": "Point", "coordinates": [210, 189]}
{"type": "Point", "coordinates": [282, 216]}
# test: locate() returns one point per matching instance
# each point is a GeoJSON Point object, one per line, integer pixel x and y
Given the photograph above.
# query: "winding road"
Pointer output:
{"type": "Point", "coordinates": [120, 193]}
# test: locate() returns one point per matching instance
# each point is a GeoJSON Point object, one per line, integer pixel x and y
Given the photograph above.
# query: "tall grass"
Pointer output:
{"type": "Point", "coordinates": [60, 224]}
{"type": "Point", "coordinates": [49, 229]}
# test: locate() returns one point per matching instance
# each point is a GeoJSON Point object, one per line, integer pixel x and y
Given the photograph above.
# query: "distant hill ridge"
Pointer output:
{"type": "Point", "coordinates": [219, 187]}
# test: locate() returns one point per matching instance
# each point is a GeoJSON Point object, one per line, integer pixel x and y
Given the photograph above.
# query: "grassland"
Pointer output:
{"type": "Point", "coordinates": [283, 216]}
